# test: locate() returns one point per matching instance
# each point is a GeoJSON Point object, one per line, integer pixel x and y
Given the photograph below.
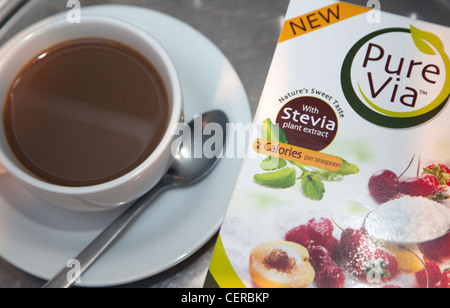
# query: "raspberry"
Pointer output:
{"type": "Point", "coordinates": [317, 232]}
{"type": "Point", "coordinates": [332, 245]}
{"type": "Point", "coordinates": [331, 278]}
{"type": "Point", "coordinates": [434, 274]}
{"type": "Point", "coordinates": [320, 230]}
{"type": "Point", "coordinates": [320, 258]}
{"type": "Point", "coordinates": [299, 235]}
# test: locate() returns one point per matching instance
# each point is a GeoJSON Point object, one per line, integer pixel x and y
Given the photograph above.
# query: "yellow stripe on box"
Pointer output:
{"type": "Point", "coordinates": [319, 19]}
{"type": "Point", "coordinates": [222, 270]}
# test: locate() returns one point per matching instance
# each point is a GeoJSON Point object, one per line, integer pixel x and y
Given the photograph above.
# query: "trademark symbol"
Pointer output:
{"type": "Point", "coordinates": [422, 92]}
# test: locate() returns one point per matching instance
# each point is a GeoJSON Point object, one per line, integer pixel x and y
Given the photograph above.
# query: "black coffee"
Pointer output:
{"type": "Point", "coordinates": [86, 112]}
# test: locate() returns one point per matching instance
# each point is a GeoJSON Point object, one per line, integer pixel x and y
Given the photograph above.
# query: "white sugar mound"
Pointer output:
{"type": "Point", "coordinates": [409, 220]}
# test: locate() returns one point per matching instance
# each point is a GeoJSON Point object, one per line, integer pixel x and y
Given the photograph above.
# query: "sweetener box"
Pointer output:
{"type": "Point", "coordinates": [346, 180]}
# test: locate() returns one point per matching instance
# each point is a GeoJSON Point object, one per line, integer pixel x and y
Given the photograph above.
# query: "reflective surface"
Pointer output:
{"type": "Point", "coordinates": [247, 32]}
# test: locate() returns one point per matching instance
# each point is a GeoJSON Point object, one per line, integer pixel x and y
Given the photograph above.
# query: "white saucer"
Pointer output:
{"type": "Point", "coordinates": [40, 238]}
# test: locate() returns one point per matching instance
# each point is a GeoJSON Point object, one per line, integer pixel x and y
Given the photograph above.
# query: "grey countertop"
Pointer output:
{"type": "Point", "coordinates": [247, 33]}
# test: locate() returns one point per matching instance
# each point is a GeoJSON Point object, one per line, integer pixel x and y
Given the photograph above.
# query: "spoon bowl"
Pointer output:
{"type": "Point", "coordinates": [190, 167]}
{"type": "Point", "coordinates": [408, 220]}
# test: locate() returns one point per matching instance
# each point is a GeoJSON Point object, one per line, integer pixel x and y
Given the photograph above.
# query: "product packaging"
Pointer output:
{"type": "Point", "coordinates": [347, 174]}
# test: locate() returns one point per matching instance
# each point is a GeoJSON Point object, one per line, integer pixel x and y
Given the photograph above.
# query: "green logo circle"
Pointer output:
{"type": "Point", "coordinates": [428, 44]}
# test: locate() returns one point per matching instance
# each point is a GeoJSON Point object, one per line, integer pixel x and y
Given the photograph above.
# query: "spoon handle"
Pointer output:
{"type": "Point", "coordinates": [68, 276]}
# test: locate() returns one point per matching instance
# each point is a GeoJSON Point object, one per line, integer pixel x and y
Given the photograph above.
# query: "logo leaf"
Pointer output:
{"type": "Point", "coordinates": [425, 41]}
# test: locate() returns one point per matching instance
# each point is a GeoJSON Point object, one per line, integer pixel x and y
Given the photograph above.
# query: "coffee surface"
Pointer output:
{"type": "Point", "coordinates": [86, 112]}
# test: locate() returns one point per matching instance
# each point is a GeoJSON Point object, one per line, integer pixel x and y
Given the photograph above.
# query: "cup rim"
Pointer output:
{"type": "Point", "coordinates": [41, 28]}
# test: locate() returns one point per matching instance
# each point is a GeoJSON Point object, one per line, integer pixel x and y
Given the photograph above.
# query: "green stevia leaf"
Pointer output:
{"type": "Point", "coordinates": [273, 132]}
{"type": "Point", "coordinates": [439, 196]}
{"type": "Point", "coordinates": [273, 163]}
{"type": "Point", "coordinates": [283, 178]}
{"type": "Point", "coordinates": [299, 165]}
{"type": "Point", "coordinates": [313, 186]}
{"type": "Point", "coordinates": [347, 169]}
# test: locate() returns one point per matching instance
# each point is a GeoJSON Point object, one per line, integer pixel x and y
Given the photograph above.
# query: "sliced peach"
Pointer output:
{"type": "Point", "coordinates": [408, 257]}
{"type": "Point", "coordinates": [281, 264]}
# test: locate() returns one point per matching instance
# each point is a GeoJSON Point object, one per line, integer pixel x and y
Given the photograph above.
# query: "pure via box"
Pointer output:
{"type": "Point", "coordinates": [346, 181]}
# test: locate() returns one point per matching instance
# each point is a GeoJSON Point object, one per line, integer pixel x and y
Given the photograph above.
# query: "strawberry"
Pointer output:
{"type": "Point", "coordinates": [440, 171]}
{"type": "Point", "coordinates": [427, 186]}
{"type": "Point", "coordinates": [362, 258]}
{"type": "Point", "coordinates": [432, 279]}
{"type": "Point", "coordinates": [374, 266]}
{"type": "Point", "coordinates": [381, 265]}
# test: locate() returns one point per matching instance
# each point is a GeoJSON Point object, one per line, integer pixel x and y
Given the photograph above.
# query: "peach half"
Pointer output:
{"type": "Point", "coordinates": [281, 264]}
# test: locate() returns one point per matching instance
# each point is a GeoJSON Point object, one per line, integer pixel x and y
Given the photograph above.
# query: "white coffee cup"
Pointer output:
{"type": "Point", "coordinates": [27, 45]}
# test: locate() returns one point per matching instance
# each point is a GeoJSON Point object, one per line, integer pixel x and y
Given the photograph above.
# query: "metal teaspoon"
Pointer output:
{"type": "Point", "coordinates": [186, 170]}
